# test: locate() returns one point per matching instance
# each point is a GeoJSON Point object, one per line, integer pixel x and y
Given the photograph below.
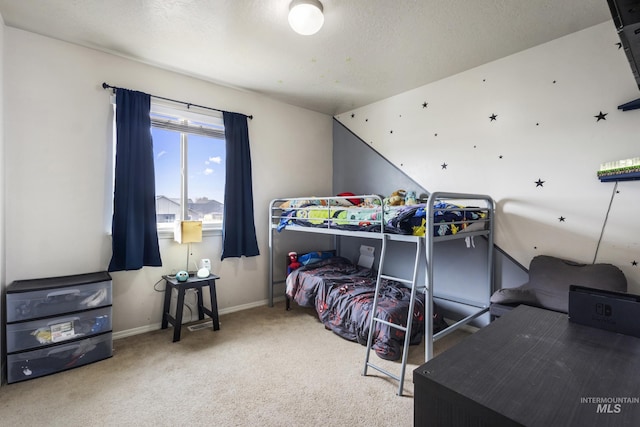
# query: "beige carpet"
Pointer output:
{"type": "Point", "coordinates": [264, 367]}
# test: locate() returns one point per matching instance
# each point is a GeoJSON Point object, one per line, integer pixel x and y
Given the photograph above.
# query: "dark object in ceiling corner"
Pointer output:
{"type": "Point", "coordinates": [626, 18]}
{"type": "Point", "coordinates": [631, 105]}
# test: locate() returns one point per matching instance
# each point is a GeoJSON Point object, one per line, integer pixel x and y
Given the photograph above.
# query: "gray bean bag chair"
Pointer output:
{"type": "Point", "coordinates": [549, 281]}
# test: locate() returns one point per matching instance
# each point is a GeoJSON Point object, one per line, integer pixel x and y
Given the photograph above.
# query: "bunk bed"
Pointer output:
{"type": "Point", "coordinates": [443, 216]}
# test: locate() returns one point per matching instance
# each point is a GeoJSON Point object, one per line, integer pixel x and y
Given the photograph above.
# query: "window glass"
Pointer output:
{"type": "Point", "coordinates": [189, 161]}
{"type": "Point", "coordinates": [206, 162]}
{"type": "Point", "coordinates": [166, 158]}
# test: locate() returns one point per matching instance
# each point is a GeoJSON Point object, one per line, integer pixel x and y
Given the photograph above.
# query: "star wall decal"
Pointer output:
{"type": "Point", "coordinates": [601, 116]}
{"type": "Point", "coordinates": [444, 165]}
{"type": "Point", "coordinates": [424, 104]}
{"type": "Point", "coordinates": [500, 156]}
{"type": "Point", "coordinates": [634, 263]}
{"type": "Point", "coordinates": [561, 219]}
{"type": "Point", "coordinates": [391, 131]}
{"type": "Point", "coordinates": [352, 115]}
{"type": "Point", "coordinates": [493, 117]}
{"type": "Point", "coordinates": [619, 45]}
{"type": "Point", "coordinates": [539, 183]}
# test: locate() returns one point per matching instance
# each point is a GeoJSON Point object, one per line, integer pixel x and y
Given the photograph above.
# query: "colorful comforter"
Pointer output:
{"type": "Point", "coordinates": [410, 219]}
{"type": "Point", "coordinates": [342, 295]}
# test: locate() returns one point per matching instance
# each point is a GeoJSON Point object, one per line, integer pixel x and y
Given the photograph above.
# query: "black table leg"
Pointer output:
{"type": "Point", "coordinates": [167, 303]}
{"type": "Point", "coordinates": [199, 290]}
{"type": "Point", "coordinates": [214, 305]}
{"type": "Point", "coordinates": [179, 308]}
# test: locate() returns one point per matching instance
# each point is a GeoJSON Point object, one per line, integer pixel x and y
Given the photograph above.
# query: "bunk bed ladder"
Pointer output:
{"type": "Point", "coordinates": [374, 309]}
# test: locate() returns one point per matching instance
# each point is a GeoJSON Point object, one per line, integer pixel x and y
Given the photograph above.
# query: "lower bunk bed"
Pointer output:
{"type": "Point", "coordinates": [342, 294]}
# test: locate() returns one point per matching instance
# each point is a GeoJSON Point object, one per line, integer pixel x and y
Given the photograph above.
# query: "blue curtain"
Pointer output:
{"type": "Point", "coordinates": [238, 229]}
{"type": "Point", "coordinates": [134, 232]}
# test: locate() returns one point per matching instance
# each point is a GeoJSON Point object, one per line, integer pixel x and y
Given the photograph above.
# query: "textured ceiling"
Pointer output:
{"type": "Point", "coordinates": [367, 50]}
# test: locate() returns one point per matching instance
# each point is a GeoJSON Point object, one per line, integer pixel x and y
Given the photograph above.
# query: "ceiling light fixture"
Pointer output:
{"type": "Point", "coordinates": [305, 16]}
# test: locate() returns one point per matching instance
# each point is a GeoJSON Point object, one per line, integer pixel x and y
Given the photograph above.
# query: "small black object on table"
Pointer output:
{"type": "Point", "coordinates": [181, 287]}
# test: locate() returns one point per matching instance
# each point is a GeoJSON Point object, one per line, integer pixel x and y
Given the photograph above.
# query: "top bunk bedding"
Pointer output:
{"type": "Point", "coordinates": [371, 213]}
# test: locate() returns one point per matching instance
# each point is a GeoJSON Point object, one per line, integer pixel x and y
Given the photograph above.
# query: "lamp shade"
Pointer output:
{"type": "Point", "coordinates": [188, 231]}
{"type": "Point", "coordinates": [305, 16]}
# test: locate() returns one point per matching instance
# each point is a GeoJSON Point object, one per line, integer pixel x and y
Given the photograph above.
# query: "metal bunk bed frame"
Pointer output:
{"type": "Point", "coordinates": [424, 244]}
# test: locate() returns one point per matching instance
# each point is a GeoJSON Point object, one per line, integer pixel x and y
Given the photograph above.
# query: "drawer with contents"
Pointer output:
{"type": "Point", "coordinates": [57, 323]}
{"type": "Point", "coordinates": [26, 301]}
{"type": "Point", "coordinates": [32, 364]}
{"type": "Point", "coordinates": [37, 333]}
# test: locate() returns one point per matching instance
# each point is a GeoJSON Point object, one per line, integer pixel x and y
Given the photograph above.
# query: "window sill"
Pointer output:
{"type": "Point", "coordinates": [206, 232]}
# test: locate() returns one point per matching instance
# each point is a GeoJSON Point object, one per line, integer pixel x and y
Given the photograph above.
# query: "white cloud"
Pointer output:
{"type": "Point", "coordinates": [162, 153]}
{"type": "Point", "coordinates": [217, 160]}
{"type": "Point", "coordinates": [208, 171]}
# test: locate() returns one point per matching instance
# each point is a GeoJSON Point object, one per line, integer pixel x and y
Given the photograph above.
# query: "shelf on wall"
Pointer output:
{"type": "Point", "coordinates": [630, 176]}
{"type": "Point", "coordinates": [620, 170]}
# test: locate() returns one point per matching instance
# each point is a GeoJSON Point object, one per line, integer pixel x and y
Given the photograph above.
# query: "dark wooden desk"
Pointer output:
{"type": "Point", "coordinates": [181, 287]}
{"type": "Point", "coordinates": [532, 367]}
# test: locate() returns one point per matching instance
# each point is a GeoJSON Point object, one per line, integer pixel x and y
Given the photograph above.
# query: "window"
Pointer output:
{"type": "Point", "coordinates": [189, 162]}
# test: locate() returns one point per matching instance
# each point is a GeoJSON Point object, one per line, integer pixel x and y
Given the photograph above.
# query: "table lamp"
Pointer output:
{"type": "Point", "coordinates": [188, 232]}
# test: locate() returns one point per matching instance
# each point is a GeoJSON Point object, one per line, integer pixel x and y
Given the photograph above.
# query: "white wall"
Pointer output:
{"type": "Point", "coordinates": [2, 184]}
{"type": "Point", "coordinates": [545, 100]}
{"type": "Point", "coordinates": [58, 168]}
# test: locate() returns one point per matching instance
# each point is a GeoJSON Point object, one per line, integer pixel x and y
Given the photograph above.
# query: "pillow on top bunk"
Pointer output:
{"type": "Point", "coordinates": [550, 278]}
{"type": "Point", "coordinates": [352, 200]}
{"type": "Point", "coordinates": [298, 203]}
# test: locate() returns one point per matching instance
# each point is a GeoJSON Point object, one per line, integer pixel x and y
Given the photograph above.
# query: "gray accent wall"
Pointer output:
{"type": "Point", "coordinates": [358, 168]}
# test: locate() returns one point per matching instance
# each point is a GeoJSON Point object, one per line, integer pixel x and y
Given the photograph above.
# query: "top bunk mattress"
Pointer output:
{"type": "Point", "coordinates": [371, 214]}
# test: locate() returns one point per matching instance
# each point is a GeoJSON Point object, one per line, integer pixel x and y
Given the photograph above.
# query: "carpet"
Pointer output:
{"type": "Point", "coordinates": [264, 367]}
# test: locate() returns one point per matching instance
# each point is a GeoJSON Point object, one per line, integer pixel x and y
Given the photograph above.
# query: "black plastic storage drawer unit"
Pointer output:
{"type": "Point", "coordinates": [57, 323]}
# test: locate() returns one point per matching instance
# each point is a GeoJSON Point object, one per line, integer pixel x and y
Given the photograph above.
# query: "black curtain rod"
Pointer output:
{"type": "Point", "coordinates": [188, 104]}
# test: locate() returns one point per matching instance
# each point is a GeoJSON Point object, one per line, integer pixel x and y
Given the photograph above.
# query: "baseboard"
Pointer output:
{"type": "Point", "coordinates": [135, 331]}
{"type": "Point", "coordinates": [221, 312]}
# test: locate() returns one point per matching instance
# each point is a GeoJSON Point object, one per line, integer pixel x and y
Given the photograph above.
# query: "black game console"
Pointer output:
{"type": "Point", "coordinates": [613, 311]}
